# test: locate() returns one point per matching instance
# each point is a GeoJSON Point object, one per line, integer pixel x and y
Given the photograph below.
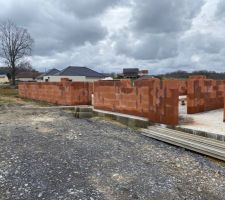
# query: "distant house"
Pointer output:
{"type": "Point", "coordinates": [143, 73]}
{"type": "Point", "coordinates": [132, 73]}
{"type": "Point", "coordinates": [4, 78]}
{"type": "Point", "coordinates": [45, 76]}
{"type": "Point", "coordinates": [27, 76]}
{"type": "Point", "coordinates": [75, 74]}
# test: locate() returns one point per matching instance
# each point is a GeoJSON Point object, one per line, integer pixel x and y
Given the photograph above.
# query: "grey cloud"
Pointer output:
{"type": "Point", "coordinates": [161, 35]}
{"type": "Point", "coordinates": [156, 27]}
{"type": "Point", "coordinates": [199, 51]}
{"type": "Point", "coordinates": [149, 46]}
{"type": "Point", "coordinates": [164, 16]}
{"type": "Point", "coordinates": [84, 9]}
{"type": "Point", "coordinates": [63, 36]}
{"type": "Point", "coordinates": [53, 29]}
{"type": "Point", "coordinates": [203, 43]}
{"type": "Point", "coordinates": [220, 12]}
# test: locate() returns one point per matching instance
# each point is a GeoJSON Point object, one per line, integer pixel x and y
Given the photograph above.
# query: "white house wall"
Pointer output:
{"type": "Point", "coordinates": [73, 78]}
{"type": "Point", "coordinates": [25, 79]}
{"type": "Point", "coordinates": [4, 79]}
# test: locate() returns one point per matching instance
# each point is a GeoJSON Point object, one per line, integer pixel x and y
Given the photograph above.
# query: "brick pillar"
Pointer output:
{"type": "Point", "coordinates": [195, 94]}
{"type": "Point", "coordinates": [224, 107]}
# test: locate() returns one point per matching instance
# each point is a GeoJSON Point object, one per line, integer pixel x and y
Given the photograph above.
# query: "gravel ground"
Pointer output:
{"type": "Point", "coordinates": [48, 154]}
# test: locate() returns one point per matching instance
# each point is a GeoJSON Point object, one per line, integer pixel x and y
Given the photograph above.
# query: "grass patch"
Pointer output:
{"type": "Point", "coordinates": [9, 92]}
{"type": "Point", "coordinates": [9, 95]}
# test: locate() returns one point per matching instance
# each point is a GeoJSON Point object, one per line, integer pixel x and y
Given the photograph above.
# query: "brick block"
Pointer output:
{"type": "Point", "coordinates": [152, 98]}
{"type": "Point", "coordinates": [204, 95]}
{"type": "Point", "coordinates": [224, 108]}
{"type": "Point", "coordinates": [62, 93]}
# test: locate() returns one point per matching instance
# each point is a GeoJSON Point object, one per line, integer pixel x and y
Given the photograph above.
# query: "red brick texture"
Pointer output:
{"type": "Point", "coordinates": [205, 94]}
{"type": "Point", "coordinates": [224, 107]}
{"type": "Point", "coordinates": [61, 93]}
{"type": "Point", "coordinates": [182, 85]}
{"type": "Point", "coordinates": [152, 98]}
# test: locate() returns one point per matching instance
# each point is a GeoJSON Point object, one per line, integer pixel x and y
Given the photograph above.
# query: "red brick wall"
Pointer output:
{"type": "Point", "coordinates": [62, 93]}
{"type": "Point", "coordinates": [151, 98]}
{"type": "Point", "coordinates": [224, 107]}
{"type": "Point", "coordinates": [117, 96]}
{"type": "Point", "coordinates": [182, 85]}
{"type": "Point", "coordinates": [205, 94]}
{"type": "Point", "coordinates": [163, 100]}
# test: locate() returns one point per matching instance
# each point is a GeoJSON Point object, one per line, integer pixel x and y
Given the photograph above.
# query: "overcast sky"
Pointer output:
{"type": "Point", "coordinates": [108, 35]}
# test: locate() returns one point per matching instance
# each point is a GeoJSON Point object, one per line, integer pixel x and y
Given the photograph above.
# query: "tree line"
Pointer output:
{"type": "Point", "coordinates": [21, 67]}
{"type": "Point", "coordinates": [184, 74]}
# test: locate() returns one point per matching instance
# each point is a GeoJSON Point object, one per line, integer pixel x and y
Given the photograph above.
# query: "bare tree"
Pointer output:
{"type": "Point", "coordinates": [24, 66]}
{"type": "Point", "coordinates": [15, 44]}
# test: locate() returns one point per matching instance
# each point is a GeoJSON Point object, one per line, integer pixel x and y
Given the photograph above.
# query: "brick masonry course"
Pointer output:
{"type": "Point", "coordinates": [182, 85]}
{"type": "Point", "coordinates": [204, 94]}
{"type": "Point", "coordinates": [152, 98]}
{"type": "Point", "coordinates": [62, 93]}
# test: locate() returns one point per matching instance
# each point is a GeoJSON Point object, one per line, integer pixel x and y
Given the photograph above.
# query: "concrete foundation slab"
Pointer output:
{"type": "Point", "coordinates": [129, 120]}
{"type": "Point", "coordinates": [207, 124]}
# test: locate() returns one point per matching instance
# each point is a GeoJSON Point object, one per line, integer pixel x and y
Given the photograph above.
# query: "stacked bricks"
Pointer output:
{"type": "Point", "coordinates": [152, 98]}
{"type": "Point", "coordinates": [116, 96]}
{"type": "Point", "coordinates": [163, 100]}
{"type": "Point", "coordinates": [224, 108]}
{"type": "Point", "coordinates": [204, 94]}
{"type": "Point", "coordinates": [182, 85]}
{"type": "Point", "coordinates": [61, 93]}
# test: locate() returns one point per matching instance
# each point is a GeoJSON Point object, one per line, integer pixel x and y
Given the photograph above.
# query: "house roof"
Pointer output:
{"type": "Point", "coordinates": [80, 71]}
{"type": "Point", "coordinates": [130, 70]}
{"type": "Point", "coordinates": [51, 72]}
{"type": "Point", "coordinates": [3, 74]}
{"type": "Point", "coordinates": [28, 75]}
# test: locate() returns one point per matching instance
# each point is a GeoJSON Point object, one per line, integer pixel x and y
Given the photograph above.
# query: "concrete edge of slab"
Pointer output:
{"type": "Point", "coordinates": [215, 136]}
{"type": "Point", "coordinates": [128, 120]}
{"type": "Point", "coordinates": [57, 107]}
